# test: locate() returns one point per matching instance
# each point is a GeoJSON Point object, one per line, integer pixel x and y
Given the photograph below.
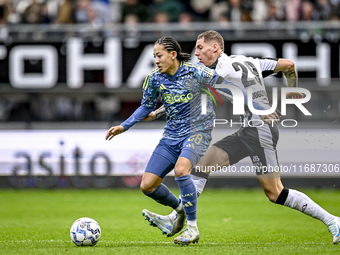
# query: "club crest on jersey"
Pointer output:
{"type": "Point", "coordinates": [188, 84]}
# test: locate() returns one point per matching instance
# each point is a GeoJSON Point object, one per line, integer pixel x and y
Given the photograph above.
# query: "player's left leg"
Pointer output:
{"type": "Point", "coordinates": [193, 149]}
{"type": "Point", "coordinates": [189, 200]}
{"type": "Point", "coordinates": [297, 200]}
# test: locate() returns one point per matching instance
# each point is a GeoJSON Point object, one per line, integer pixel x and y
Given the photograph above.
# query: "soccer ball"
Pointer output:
{"type": "Point", "coordinates": [85, 232]}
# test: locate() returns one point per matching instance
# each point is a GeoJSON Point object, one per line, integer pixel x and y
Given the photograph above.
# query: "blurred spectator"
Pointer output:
{"type": "Point", "coordinates": [246, 16]}
{"type": "Point", "coordinates": [263, 10]}
{"type": "Point", "coordinates": [239, 10]}
{"type": "Point", "coordinates": [161, 18]}
{"type": "Point", "coordinates": [5, 11]}
{"type": "Point", "coordinates": [324, 9]}
{"type": "Point", "coordinates": [201, 9]}
{"type": "Point", "coordinates": [218, 10]}
{"type": "Point", "coordinates": [260, 13]}
{"type": "Point", "coordinates": [307, 11]}
{"type": "Point", "coordinates": [223, 18]}
{"type": "Point", "coordinates": [95, 12]}
{"type": "Point", "coordinates": [335, 9]}
{"type": "Point", "coordinates": [234, 11]}
{"type": "Point", "coordinates": [273, 14]}
{"type": "Point", "coordinates": [292, 9]}
{"type": "Point", "coordinates": [185, 18]}
{"type": "Point", "coordinates": [81, 12]}
{"type": "Point", "coordinates": [51, 10]}
{"type": "Point", "coordinates": [34, 13]}
{"type": "Point", "coordinates": [134, 7]}
{"type": "Point", "coordinates": [66, 12]}
{"type": "Point", "coordinates": [172, 7]}
{"type": "Point", "coordinates": [103, 11]}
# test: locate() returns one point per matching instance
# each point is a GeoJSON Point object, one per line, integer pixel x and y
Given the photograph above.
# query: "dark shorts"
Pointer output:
{"type": "Point", "coordinates": [167, 152]}
{"type": "Point", "coordinates": [259, 143]}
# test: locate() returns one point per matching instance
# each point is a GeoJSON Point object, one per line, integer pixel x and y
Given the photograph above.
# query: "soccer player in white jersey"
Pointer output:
{"type": "Point", "coordinates": [259, 142]}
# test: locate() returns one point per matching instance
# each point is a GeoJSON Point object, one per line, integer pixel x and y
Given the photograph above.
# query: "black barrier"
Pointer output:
{"type": "Point", "coordinates": [116, 67]}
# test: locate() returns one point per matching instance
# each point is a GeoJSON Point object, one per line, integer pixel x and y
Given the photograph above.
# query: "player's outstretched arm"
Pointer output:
{"type": "Point", "coordinates": [113, 131]}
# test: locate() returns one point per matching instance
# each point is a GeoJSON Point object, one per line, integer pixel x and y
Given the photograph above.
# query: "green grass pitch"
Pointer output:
{"type": "Point", "coordinates": [230, 222]}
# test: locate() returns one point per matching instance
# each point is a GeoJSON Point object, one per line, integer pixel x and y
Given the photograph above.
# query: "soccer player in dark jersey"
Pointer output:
{"type": "Point", "coordinates": [186, 136]}
{"type": "Point", "coordinates": [259, 142]}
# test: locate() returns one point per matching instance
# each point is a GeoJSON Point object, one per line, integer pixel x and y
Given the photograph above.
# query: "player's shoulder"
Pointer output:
{"type": "Point", "coordinates": [151, 78]}
{"type": "Point", "coordinates": [154, 72]}
{"type": "Point", "coordinates": [192, 66]}
{"type": "Point", "coordinates": [243, 58]}
{"type": "Point", "coordinates": [196, 67]}
{"type": "Point", "coordinates": [251, 58]}
{"type": "Point", "coordinates": [230, 59]}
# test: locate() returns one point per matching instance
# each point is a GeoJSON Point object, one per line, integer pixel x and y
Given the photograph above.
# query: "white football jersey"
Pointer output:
{"type": "Point", "coordinates": [247, 72]}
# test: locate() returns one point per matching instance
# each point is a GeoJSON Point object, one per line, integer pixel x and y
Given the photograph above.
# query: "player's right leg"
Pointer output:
{"type": "Point", "coordinates": [159, 165]}
{"type": "Point", "coordinates": [297, 200]}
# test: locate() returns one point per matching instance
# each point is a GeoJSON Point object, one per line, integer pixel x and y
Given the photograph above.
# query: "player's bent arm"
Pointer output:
{"type": "Point", "coordinates": [155, 114]}
{"type": "Point", "coordinates": [288, 68]}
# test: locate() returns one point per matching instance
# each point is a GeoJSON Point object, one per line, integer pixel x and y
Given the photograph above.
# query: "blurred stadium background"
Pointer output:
{"type": "Point", "coordinates": [70, 69]}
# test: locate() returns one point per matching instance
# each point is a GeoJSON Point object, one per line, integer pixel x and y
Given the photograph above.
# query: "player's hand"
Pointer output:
{"type": "Point", "coordinates": [272, 118]}
{"type": "Point", "coordinates": [113, 131]}
{"type": "Point", "coordinates": [150, 117]}
{"type": "Point", "coordinates": [294, 95]}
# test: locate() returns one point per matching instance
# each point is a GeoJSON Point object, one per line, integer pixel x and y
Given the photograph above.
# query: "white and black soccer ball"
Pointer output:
{"type": "Point", "coordinates": [85, 232]}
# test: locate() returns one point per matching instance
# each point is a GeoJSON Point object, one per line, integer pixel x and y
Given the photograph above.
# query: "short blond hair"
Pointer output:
{"type": "Point", "coordinates": [212, 36]}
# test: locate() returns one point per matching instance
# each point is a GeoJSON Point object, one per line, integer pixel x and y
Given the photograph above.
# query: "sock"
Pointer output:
{"type": "Point", "coordinates": [192, 223]}
{"type": "Point", "coordinates": [300, 201]}
{"type": "Point", "coordinates": [188, 195]}
{"type": "Point", "coordinates": [173, 214]}
{"type": "Point", "coordinates": [179, 207]}
{"type": "Point", "coordinates": [164, 196]}
{"type": "Point", "coordinates": [199, 183]}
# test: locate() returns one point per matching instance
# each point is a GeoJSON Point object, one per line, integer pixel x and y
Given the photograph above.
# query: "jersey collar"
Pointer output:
{"type": "Point", "coordinates": [177, 72]}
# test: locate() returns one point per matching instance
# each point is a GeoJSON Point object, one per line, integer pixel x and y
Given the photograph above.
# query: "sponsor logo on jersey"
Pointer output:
{"type": "Point", "coordinates": [260, 93]}
{"type": "Point", "coordinates": [171, 99]}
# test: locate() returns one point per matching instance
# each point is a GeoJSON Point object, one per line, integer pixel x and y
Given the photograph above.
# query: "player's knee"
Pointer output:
{"type": "Point", "coordinates": [180, 172]}
{"type": "Point", "coordinates": [182, 169]}
{"type": "Point", "coordinates": [146, 187]}
{"type": "Point", "coordinates": [271, 196]}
